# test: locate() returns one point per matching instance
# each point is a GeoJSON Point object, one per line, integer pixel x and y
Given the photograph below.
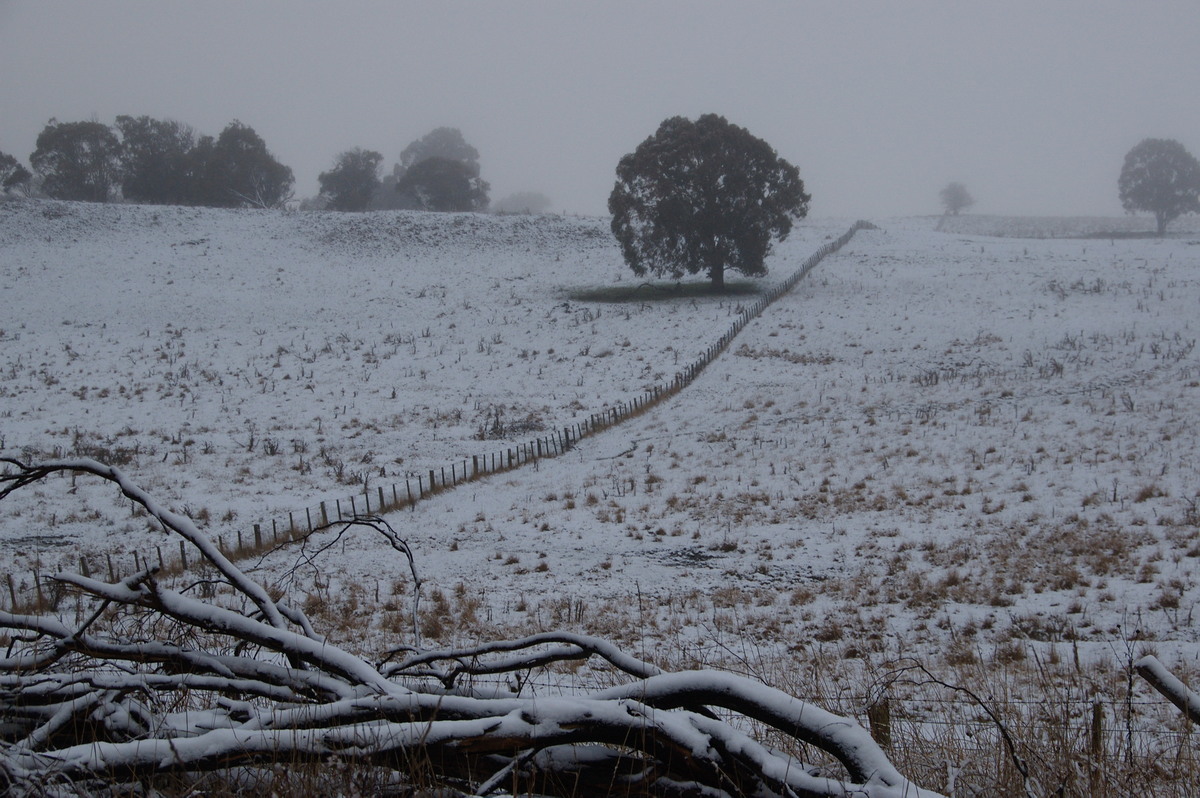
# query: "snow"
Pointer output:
{"type": "Point", "coordinates": [937, 436]}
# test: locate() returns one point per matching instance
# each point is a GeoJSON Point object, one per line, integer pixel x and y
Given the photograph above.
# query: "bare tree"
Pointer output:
{"type": "Point", "coordinates": [96, 703]}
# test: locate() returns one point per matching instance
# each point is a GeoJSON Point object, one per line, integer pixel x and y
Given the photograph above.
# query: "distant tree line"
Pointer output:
{"type": "Point", "coordinates": [153, 161]}
{"type": "Point", "coordinates": [164, 162]}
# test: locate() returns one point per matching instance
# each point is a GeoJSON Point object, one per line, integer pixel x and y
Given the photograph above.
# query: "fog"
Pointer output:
{"type": "Point", "coordinates": [1032, 105]}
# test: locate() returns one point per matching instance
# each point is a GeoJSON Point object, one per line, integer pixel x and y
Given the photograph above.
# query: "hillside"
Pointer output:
{"type": "Point", "coordinates": [971, 451]}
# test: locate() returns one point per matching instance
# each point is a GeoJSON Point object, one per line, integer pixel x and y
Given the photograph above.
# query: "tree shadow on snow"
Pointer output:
{"type": "Point", "coordinates": [663, 291]}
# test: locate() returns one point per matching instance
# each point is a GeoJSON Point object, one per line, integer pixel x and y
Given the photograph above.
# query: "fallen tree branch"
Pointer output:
{"type": "Point", "coordinates": [1170, 686]}
{"type": "Point", "coordinates": [94, 705]}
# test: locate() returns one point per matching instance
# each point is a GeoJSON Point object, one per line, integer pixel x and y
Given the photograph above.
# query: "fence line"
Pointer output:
{"type": "Point", "coordinates": [381, 499]}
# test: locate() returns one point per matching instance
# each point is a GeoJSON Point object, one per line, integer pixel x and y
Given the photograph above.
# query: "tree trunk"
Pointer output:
{"type": "Point", "coordinates": [717, 273]}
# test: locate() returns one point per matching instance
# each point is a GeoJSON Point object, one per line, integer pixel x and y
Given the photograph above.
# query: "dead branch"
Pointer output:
{"type": "Point", "coordinates": [97, 705]}
{"type": "Point", "coordinates": [1169, 685]}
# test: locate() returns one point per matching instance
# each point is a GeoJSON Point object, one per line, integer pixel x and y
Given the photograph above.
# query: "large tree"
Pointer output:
{"type": "Point", "coordinates": [354, 178]}
{"type": "Point", "coordinates": [12, 174]}
{"type": "Point", "coordinates": [155, 155]}
{"type": "Point", "coordinates": [442, 184]}
{"type": "Point", "coordinates": [236, 170]}
{"type": "Point", "coordinates": [703, 197]}
{"type": "Point", "coordinates": [445, 143]}
{"type": "Point", "coordinates": [955, 198]}
{"type": "Point", "coordinates": [78, 160]}
{"type": "Point", "coordinates": [1160, 177]}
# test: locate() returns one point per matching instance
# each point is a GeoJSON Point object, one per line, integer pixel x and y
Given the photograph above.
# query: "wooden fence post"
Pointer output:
{"type": "Point", "coordinates": [879, 717]}
{"type": "Point", "coordinates": [12, 592]}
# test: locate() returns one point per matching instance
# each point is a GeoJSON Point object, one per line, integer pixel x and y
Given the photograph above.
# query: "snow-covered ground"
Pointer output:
{"type": "Point", "coordinates": [938, 443]}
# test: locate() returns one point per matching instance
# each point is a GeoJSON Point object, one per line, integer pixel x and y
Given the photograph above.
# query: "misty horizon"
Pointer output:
{"type": "Point", "coordinates": [1031, 106]}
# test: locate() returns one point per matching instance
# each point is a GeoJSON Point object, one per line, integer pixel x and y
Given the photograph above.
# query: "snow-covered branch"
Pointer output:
{"type": "Point", "coordinates": [155, 681]}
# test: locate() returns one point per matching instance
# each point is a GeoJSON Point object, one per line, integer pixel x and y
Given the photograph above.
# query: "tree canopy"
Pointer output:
{"type": "Point", "coordinates": [354, 178]}
{"type": "Point", "coordinates": [78, 160]}
{"type": "Point", "coordinates": [442, 142]}
{"type": "Point", "coordinates": [439, 187]}
{"type": "Point", "coordinates": [442, 184]}
{"type": "Point", "coordinates": [1160, 177]}
{"type": "Point", "coordinates": [237, 171]}
{"type": "Point", "coordinates": [955, 198]}
{"type": "Point", "coordinates": [12, 173]}
{"type": "Point", "coordinates": [155, 159]}
{"type": "Point", "coordinates": [703, 197]}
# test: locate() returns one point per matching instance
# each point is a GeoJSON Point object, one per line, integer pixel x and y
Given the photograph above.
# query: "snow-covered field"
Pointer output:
{"type": "Point", "coordinates": [941, 444]}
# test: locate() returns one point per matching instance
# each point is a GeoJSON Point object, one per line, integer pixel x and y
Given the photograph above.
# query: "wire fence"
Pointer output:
{"type": "Point", "coordinates": [33, 592]}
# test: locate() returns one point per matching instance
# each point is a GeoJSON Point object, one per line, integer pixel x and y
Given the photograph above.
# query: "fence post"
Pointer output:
{"type": "Point", "coordinates": [380, 498]}
{"type": "Point", "coordinates": [1096, 746]}
{"type": "Point", "coordinates": [12, 592]}
{"type": "Point", "coordinates": [879, 717]}
{"type": "Point", "coordinates": [324, 515]}
{"type": "Point", "coordinates": [182, 556]}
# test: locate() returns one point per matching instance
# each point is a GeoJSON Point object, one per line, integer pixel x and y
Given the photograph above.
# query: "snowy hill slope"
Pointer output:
{"type": "Point", "coordinates": [937, 442]}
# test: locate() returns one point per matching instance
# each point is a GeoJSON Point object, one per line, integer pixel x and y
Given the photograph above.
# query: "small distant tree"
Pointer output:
{"type": "Point", "coordinates": [354, 178]}
{"type": "Point", "coordinates": [78, 160]}
{"type": "Point", "coordinates": [703, 197]}
{"type": "Point", "coordinates": [522, 202]}
{"type": "Point", "coordinates": [13, 176]}
{"type": "Point", "coordinates": [1160, 177]}
{"type": "Point", "coordinates": [441, 184]}
{"type": "Point", "coordinates": [155, 159]}
{"type": "Point", "coordinates": [236, 170]}
{"type": "Point", "coordinates": [955, 198]}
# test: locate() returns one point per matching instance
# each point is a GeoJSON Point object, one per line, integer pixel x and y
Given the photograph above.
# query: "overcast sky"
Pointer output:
{"type": "Point", "coordinates": [1032, 104]}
